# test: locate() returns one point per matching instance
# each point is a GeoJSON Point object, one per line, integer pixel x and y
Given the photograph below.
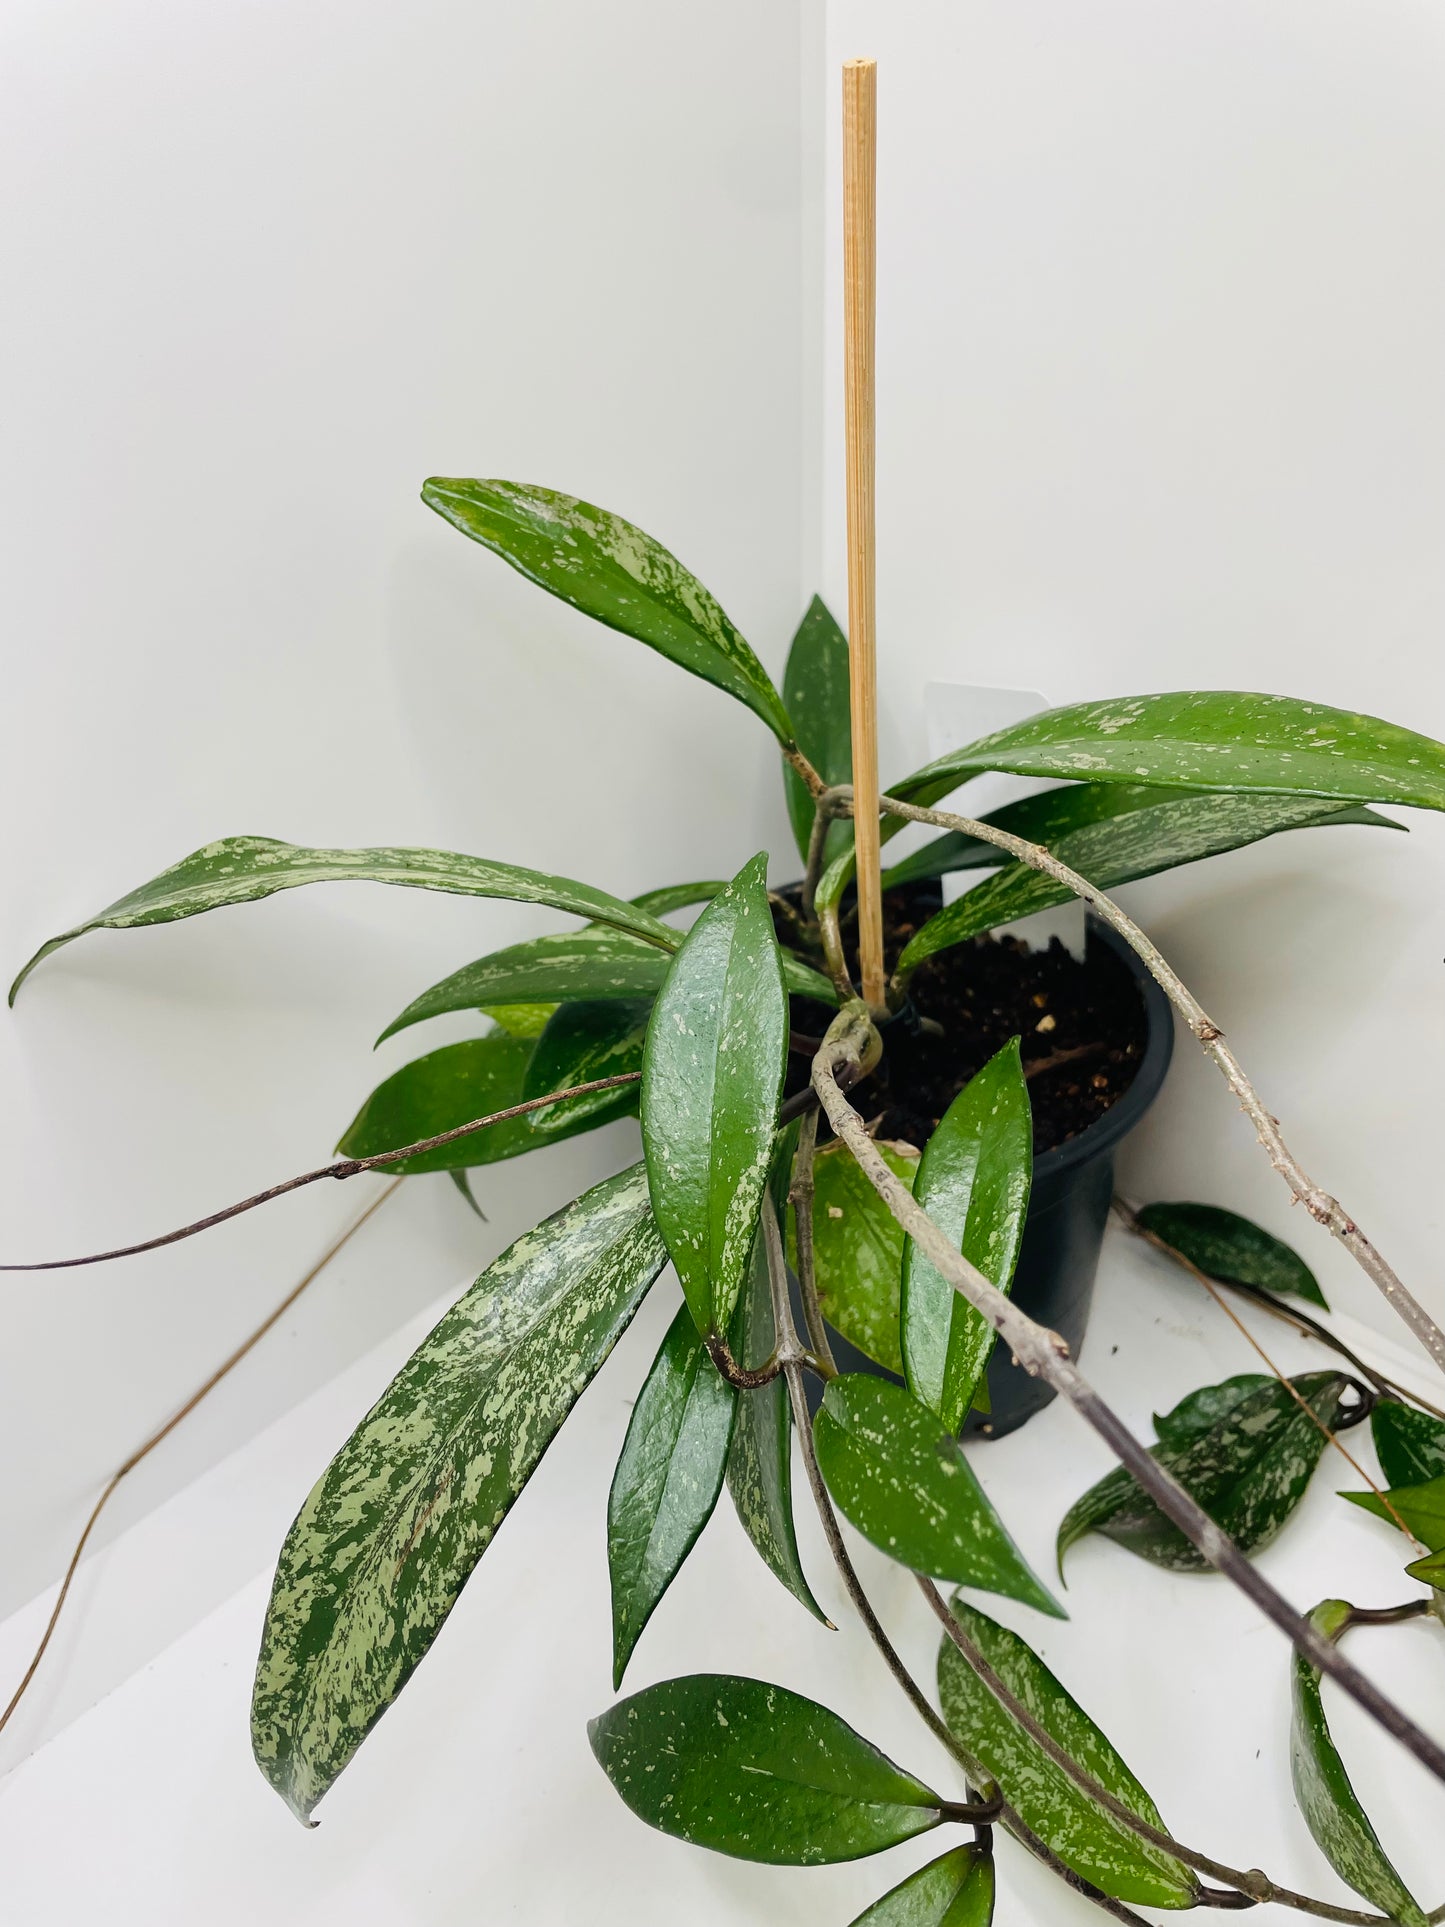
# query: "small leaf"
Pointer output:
{"type": "Point", "coordinates": [464, 1184]}
{"type": "Point", "coordinates": [712, 1078]}
{"type": "Point", "coordinates": [584, 1042]}
{"type": "Point", "coordinates": [667, 1480]}
{"type": "Point", "coordinates": [438, 1092]}
{"type": "Point", "coordinates": [1411, 1444]}
{"type": "Point", "coordinates": [903, 1481]}
{"type": "Point", "coordinates": [519, 1020]}
{"type": "Point", "coordinates": [677, 896]}
{"type": "Point", "coordinates": [815, 690]}
{"type": "Point", "coordinates": [956, 1890]}
{"type": "Point", "coordinates": [1248, 1469]}
{"type": "Point", "coordinates": [755, 1771]}
{"type": "Point", "coordinates": [1339, 1824]}
{"type": "Point", "coordinates": [395, 1525]}
{"type": "Point", "coordinates": [858, 1249]}
{"type": "Point", "coordinates": [974, 1183]}
{"type": "Point", "coordinates": [1430, 1570]}
{"type": "Point", "coordinates": [1422, 1507]}
{"type": "Point", "coordinates": [241, 869]}
{"type": "Point", "coordinates": [1085, 1838]}
{"type": "Point", "coordinates": [1225, 1246]}
{"type": "Point", "coordinates": [610, 569]}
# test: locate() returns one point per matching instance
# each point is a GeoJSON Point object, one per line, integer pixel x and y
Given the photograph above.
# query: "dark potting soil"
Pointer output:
{"type": "Point", "coordinates": [1081, 1027]}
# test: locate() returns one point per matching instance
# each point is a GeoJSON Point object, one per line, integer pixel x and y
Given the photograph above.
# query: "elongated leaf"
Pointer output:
{"type": "Point", "coordinates": [1430, 1570]}
{"type": "Point", "coordinates": [667, 1480]}
{"type": "Point", "coordinates": [464, 1184]}
{"type": "Point", "coordinates": [677, 896]}
{"type": "Point", "coordinates": [1422, 1507]}
{"type": "Point", "coordinates": [858, 1249]}
{"type": "Point", "coordinates": [610, 569]}
{"type": "Point", "coordinates": [755, 1771]}
{"type": "Point", "coordinates": [239, 869]}
{"type": "Point", "coordinates": [584, 1042]}
{"type": "Point", "coordinates": [1231, 1248]}
{"type": "Point", "coordinates": [712, 1078]}
{"type": "Point", "coordinates": [1212, 739]}
{"type": "Point", "coordinates": [562, 968]}
{"type": "Point", "coordinates": [518, 1020]}
{"type": "Point", "coordinates": [1248, 1469]}
{"type": "Point", "coordinates": [1411, 1444]}
{"type": "Point", "coordinates": [1118, 849]}
{"type": "Point", "coordinates": [438, 1092]}
{"type": "Point", "coordinates": [902, 1479]}
{"type": "Point", "coordinates": [956, 1890]}
{"type": "Point", "coordinates": [974, 1183]}
{"type": "Point", "coordinates": [1329, 1803]}
{"type": "Point", "coordinates": [1085, 1838]}
{"type": "Point", "coordinates": [815, 689]}
{"type": "Point", "coordinates": [386, 1541]}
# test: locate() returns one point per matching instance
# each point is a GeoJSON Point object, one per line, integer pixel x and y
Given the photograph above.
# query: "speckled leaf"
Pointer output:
{"type": "Point", "coordinates": [1410, 1443]}
{"type": "Point", "coordinates": [956, 1890]}
{"type": "Point", "coordinates": [815, 690]}
{"type": "Point", "coordinates": [446, 1088]}
{"type": "Point", "coordinates": [1231, 1248]}
{"type": "Point", "coordinates": [583, 1042]}
{"type": "Point", "coordinates": [1118, 849]}
{"type": "Point", "coordinates": [858, 1249]}
{"type": "Point", "coordinates": [712, 1077]}
{"type": "Point", "coordinates": [901, 1478]}
{"type": "Point", "coordinates": [974, 1183]}
{"type": "Point", "coordinates": [755, 1771]}
{"type": "Point", "coordinates": [610, 569]}
{"type": "Point", "coordinates": [1330, 1805]}
{"type": "Point", "coordinates": [239, 869]}
{"type": "Point", "coordinates": [386, 1541]}
{"type": "Point", "coordinates": [1422, 1507]}
{"type": "Point", "coordinates": [1050, 1805]}
{"type": "Point", "coordinates": [1199, 1412]}
{"type": "Point", "coordinates": [677, 896]}
{"type": "Point", "coordinates": [1248, 1469]}
{"type": "Point", "coordinates": [1042, 818]}
{"type": "Point", "coordinates": [667, 1479]}
{"type": "Point", "coordinates": [1213, 739]}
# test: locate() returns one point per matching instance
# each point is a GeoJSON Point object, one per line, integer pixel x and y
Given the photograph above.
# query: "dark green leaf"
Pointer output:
{"type": "Point", "coordinates": [1422, 1507]}
{"type": "Point", "coordinates": [1248, 1469]}
{"type": "Point", "coordinates": [667, 1480]}
{"type": "Point", "coordinates": [758, 1772]}
{"type": "Point", "coordinates": [858, 1249]}
{"type": "Point", "coordinates": [1411, 1444]}
{"type": "Point", "coordinates": [815, 690]}
{"type": "Point", "coordinates": [464, 1184]}
{"type": "Point", "coordinates": [903, 1481]}
{"type": "Point", "coordinates": [956, 1890]}
{"type": "Point", "coordinates": [1213, 739]}
{"type": "Point", "coordinates": [1050, 1805]}
{"type": "Point", "coordinates": [1118, 849]}
{"type": "Point", "coordinates": [438, 1092]}
{"type": "Point", "coordinates": [610, 569]}
{"type": "Point", "coordinates": [712, 1078]}
{"type": "Point", "coordinates": [584, 1042]}
{"type": "Point", "coordinates": [560, 968]}
{"type": "Point", "coordinates": [239, 869]}
{"type": "Point", "coordinates": [1223, 1245]}
{"type": "Point", "coordinates": [386, 1541]}
{"type": "Point", "coordinates": [974, 1183]}
{"type": "Point", "coordinates": [1330, 1805]}
{"type": "Point", "coordinates": [677, 896]}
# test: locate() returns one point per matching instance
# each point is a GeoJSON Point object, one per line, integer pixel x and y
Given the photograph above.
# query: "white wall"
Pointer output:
{"type": "Point", "coordinates": [1162, 405]}
{"type": "Point", "coordinates": [267, 266]}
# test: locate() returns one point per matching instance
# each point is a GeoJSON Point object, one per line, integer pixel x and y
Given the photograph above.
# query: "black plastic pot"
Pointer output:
{"type": "Point", "coordinates": [1068, 1208]}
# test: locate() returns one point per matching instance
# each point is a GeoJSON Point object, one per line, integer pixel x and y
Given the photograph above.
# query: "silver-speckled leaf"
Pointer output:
{"type": "Point", "coordinates": [1411, 1444]}
{"type": "Point", "coordinates": [583, 1043]}
{"type": "Point", "coordinates": [386, 1541]}
{"type": "Point", "coordinates": [956, 1890]}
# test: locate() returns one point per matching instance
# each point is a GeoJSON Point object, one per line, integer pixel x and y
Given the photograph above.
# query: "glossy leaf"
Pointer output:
{"type": "Point", "coordinates": [755, 1771]}
{"type": "Point", "coordinates": [667, 1480]}
{"type": "Point", "coordinates": [1422, 1507]}
{"type": "Point", "coordinates": [677, 896]}
{"type": "Point", "coordinates": [1213, 739]}
{"type": "Point", "coordinates": [901, 1478]}
{"type": "Point", "coordinates": [610, 569]}
{"type": "Point", "coordinates": [436, 1093]}
{"type": "Point", "coordinates": [1430, 1570]}
{"type": "Point", "coordinates": [1339, 1824]}
{"type": "Point", "coordinates": [1410, 1443]}
{"type": "Point", "coordinates": [464, 1184]}
{"type": "Point", "coordinates": [1119, 849]}
{"type": "Point", "coordinates": [517, 1020]}
{"type": "Point", "coordinates": [1097, 1847]}
{"type": "Point", "coordinates": [712, 1078]}
{"type": "Point", "coordinates": [396, 1523]}
{"type": "Point", "coordinates": [240, 869]}
{"type": "Point", "coordinates": [815, 690]}
{"type": "Point", "coordinates": [956, 1890]}
{"type": "Point", "coordinates": [974, 1183]}
{"type": "Point", "coordinates": [584, 1042]}
{"type": "Point", "coordinates": [1225, 1246]}
{"type": "Point", "coordinates": [858, 1249]}
{"type": "Point", "coordinates": [1248, 1469]}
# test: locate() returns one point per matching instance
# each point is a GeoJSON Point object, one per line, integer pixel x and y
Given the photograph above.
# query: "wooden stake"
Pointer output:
{"type": "Point", "coordinates": [860, 130]}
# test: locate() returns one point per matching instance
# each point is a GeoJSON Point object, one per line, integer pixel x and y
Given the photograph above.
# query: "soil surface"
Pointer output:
{"type": "Point", "coordinates": [1082, 1029]}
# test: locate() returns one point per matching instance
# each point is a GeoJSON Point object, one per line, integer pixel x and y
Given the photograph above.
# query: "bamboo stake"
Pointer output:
{"type": "Point", "coordinates": [860, 129]}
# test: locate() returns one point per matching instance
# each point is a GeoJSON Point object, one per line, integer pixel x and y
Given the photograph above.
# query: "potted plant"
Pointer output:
{"type": "Point", "coordinates": [740, 1041]}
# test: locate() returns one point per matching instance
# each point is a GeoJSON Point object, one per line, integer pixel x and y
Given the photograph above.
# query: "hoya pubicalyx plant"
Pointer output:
{"type": "Point", "coordinates": [723, 1014]}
